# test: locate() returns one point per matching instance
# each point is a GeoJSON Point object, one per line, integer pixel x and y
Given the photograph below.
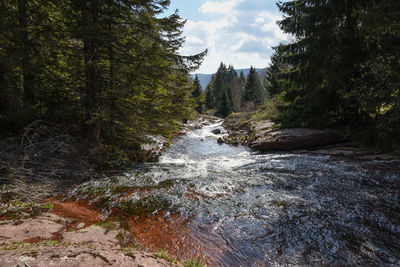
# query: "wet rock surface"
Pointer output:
{"type": "Point", "coordinates": [48, 241]}
{"type": "Point", "coordinates": [151, 151]}
{"type": "Point", "coordinates": [265, 137]}
{"type": "Point", "coordinates": [294, 139]}
{"type": "Point", "coordinates": [262, 136]}
{"type": "Point", "coordinates": [78, 256]}
{"type": "Point", "coordinates": [41, 228]}
{"type": "Point", "coordinates": [217, 131]}
{"type": "Point", "coordinates": [239, 132]}
{"type": "Point", "coordinates": [200, 122]}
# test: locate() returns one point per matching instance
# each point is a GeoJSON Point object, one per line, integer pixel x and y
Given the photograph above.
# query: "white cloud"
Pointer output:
{"type": "Point", "coordinates": [224, 7]}
{"type": "Point", "coordinates": [240, 32]}
{"type": "Point", "coordinates": [194, 40]}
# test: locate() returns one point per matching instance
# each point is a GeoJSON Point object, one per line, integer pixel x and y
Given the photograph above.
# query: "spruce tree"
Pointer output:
{"type": "Point", "coordinates": [253, 91]}
{"type": "Point", "coordinates": [274, 70]}
{"type": "Point", "coordinates": [323, 59]}
{"type": "Point", "coordinates": [197, 95]}
{"type": "Point", "coordinates": [236, 93]}
{"type": "Point", "coordinates": [197, 88]}
{"type": "Point", "coordinates": [344, 71]}
{"type": "Point", "coordinates": [225, 104]}
{"type": "Point", "coordinates": [210, 101]}
{"type": "Point", "coordinates": [110, 67]}
{"type": "Point", "coordinates": [223, 92]}
{"type": "Point", "coordinates": [242, 78]}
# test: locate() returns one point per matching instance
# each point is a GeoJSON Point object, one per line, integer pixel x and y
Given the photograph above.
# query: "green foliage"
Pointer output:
{"type": "Point", "coordinates": [253, 90]}
{"type": "Point", "coordinates": [342, 69]}
{"type": "Point", "coordinates": [270, 110]}
{"type": "Point", "coordinates": [225, 104]}
{"type": "Point", "coordinates": [194, 263]}
{"type": "Point", "coordinates": [111, 68]}
{"type": "Point", "coordinates": [275, 80]}
{"type": "Point", "coordinates": [146, 205]}
{"type": "Point", "coordinates": [197, 95]}
{"type": "Point", "coordinates": [163, 254]}
{"type": "Point", "coordinates": [242, 79]}
{"type": "Point", "coordinates": [224, 92]}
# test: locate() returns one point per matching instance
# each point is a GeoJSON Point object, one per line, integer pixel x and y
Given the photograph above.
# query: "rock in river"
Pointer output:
{"type": "Point", "coordinates": [296, 138]}
{"type": "Point", "coordinates": [217, 131]}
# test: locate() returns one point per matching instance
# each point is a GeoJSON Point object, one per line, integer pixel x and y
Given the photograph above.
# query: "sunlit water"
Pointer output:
{"type": "Point", "coordinates": [279, 209]}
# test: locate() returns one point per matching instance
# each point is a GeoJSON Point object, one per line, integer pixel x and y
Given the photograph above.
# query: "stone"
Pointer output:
{"type": "Point", "coordinates": [217, 131]}
{"type": "Point", "coordinates": [80, 225]}
{"type": "Point", "coordinates": [81, 256]}
{"type": "Point", "coordinates": [40, 228]}
{"type": "Point", "coordinates": [293, 139]}
{"type": "Point", "coordinates": [92, 234]}
{"type": "Point", "coordinates": [220, 140]}
{"type": "Point", "coordinates": [151, 151]}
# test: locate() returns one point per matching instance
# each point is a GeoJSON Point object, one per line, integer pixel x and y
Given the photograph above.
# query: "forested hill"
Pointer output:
{"type": "Point", "coordinates": [206, 78]}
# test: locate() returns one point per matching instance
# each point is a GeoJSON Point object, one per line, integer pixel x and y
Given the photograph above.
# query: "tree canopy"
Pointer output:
{"type": "Point", "coordinates": [110, 67]}
{"type": "Point", "coordinates": [227, 92]}
{"type": "Point", "coordinates": [341, 70]}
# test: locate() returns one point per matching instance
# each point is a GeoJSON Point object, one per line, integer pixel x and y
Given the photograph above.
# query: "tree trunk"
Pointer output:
{"type": "Point", "coordinates": [26, 55]}
{"type": "Point", "coordinates": [92, 83]}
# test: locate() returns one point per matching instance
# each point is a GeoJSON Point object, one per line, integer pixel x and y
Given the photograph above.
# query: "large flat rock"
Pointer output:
{"type": "Point", "coordinates": [70, 256]}
{"type": "Point", "coordinates": [42, 227]}
{"type": "Point", "coordinates": [292, 139]}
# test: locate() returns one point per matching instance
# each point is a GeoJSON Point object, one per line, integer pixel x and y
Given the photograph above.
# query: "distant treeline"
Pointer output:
{"type": "Point", "coordinates": [110, 68]}
{"type": "Point", "coordinates": [342, 69]}
{"type": "Point", "coordinates": [229, 92]}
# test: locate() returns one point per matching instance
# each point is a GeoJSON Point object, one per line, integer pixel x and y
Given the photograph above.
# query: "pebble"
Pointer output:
{"type": "Point", "coordinates": [80, 225]}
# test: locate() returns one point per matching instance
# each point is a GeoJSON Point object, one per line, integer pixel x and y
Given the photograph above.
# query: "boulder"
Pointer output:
{"type": "Point", "coordinates": [221, 140]}
{"type": "Point", "coordinates": [217, 131]}
{"type": "Point", "coordinates": [151, 151]}
{"type": "Point", "coordinates": [292, 139]}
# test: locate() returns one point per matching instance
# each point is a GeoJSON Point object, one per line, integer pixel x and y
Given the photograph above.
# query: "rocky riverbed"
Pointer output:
{"type": "Point", "coordinates": [219, 204]}
{"type": "Point", "coordinates": [66, 234]}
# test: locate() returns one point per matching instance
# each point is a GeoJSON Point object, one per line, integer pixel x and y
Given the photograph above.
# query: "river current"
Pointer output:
{"type": "Point", "coordinates": [236, 207]}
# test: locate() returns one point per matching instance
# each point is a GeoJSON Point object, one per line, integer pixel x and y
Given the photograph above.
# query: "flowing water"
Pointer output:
{"type": "Point", "coordinates": [236, 207]}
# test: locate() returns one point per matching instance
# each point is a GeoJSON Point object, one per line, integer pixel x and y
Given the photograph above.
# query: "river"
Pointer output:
{"type": "Point", "coordinates": [235, 207]}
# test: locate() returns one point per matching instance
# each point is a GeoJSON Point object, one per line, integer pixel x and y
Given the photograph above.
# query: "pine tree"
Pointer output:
{"type": "Point", "coordinates": [197, 95]}
{"type": "Point", "coordinates": [219, 83]}
{"type": "Point", "coordinates": [344, 71]}
{"type": "Point", "coordinates": [111, 67]}
{"type": "Point", "coordinates": [223, 92]}
{"type": "Point", "coordinates": [231, 73]}
{"type": "Point", "coordinates": [34, 53]}
{"type": "Point", "coordinates": [197, 88]}
{"type": "Point", "coordinates": [253, 91]}
{"type": "Point", "coordinates": [225, 104]}
{"type": "Point", "coordinates": [210, 101]}
{"type": "Point", "coordinates": [236, 92]}
{"type": "Point", "coordinates": [274, 69]}
{"type": "Point", "coordinates": [242, 78]}
{"type": "Point", "coordinates": [323, 59]}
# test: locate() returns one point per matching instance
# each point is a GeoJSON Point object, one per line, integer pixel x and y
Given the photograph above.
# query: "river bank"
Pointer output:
{"type": "Point", "coordinates": [59, 232]}
{"type": "Point", "coordinates": [265, 136]}
{"type": "Point", "coordinates": [40, 225]}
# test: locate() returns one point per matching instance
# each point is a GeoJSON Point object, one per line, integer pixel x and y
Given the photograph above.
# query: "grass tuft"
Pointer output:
{"type": "Point", "coordinates": [194, 263]}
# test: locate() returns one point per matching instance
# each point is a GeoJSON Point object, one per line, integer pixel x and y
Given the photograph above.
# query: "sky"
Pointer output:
{"type": "Point", "coordinates": [237, 32]}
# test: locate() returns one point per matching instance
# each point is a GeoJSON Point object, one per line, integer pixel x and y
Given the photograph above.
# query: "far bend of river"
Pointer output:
{"type": "Point", "coordinates": [236, 207]}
